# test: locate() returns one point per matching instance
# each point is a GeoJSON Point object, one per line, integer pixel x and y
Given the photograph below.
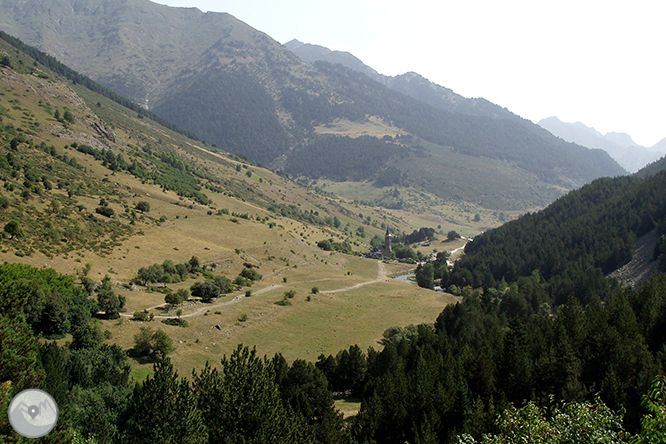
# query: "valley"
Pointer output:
{"type": "Point", "coordinates": [241, 223]}
{"type": "Point", "coordinates": [209, 283]}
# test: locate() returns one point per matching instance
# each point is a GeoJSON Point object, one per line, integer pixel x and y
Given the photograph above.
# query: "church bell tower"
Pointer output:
{"type": "Point", "coordinates": [388, 252]}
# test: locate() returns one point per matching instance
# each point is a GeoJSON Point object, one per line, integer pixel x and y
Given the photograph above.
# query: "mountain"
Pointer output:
{"type": "Point", "coordinates": [312, 53]}
{"type": "Point", "coordinates": [410, 84]}
{"type": "Point", "coordinates": [620, 146]}
{"type": "Point", "coordinates": [240, 90]}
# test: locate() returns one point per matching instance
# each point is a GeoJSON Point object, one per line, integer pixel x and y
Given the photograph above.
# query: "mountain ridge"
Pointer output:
{"type": "Point", "coordinates": [409, 83]}
{"type": "Point", "coordinates": [620, 146]}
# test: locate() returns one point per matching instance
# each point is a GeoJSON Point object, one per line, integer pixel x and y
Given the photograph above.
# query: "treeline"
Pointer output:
{"type": "Point", "coordinates": [54, 65]}
{"type": "Point", "coordinates": [342, 158]}
{"type": "Point", "coordinates": [572, 244]}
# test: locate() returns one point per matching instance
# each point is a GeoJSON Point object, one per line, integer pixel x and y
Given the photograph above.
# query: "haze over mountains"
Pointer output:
{"type": "Point", "coordinates": [620, 146]}
{"type": "Point", "coordinates": [411, 84]}
{"type": "Point", "coordinates": [235, 87]}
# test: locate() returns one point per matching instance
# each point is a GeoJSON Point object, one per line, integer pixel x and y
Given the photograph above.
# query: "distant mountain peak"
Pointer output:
{"type": "Point", "coordinates": [620, 146]}
{"type": "Point", "coordinates": [622, 139]}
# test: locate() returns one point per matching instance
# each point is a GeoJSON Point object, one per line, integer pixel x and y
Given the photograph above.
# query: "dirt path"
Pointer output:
{"type": "Point", "coordinates": [381, 277]}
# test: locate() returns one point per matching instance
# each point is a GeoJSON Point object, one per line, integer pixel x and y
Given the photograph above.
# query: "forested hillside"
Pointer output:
{"type": "Point", "coordinates": [572, 244]}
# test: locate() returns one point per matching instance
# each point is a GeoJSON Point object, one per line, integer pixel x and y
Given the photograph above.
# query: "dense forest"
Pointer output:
{"type": "Point", "coordinates": [517, 142]}
{"type": "Point", "coordinates": [571, 245]}
{"type": "Point", "coordinates": [230, 110]}
{"type": "Point", "coordinates": [343, 158]}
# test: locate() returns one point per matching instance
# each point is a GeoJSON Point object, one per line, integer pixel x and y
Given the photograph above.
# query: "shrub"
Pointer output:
{"type": "Point", "coordinates": [177, 322]}
{"type": "Point", "coordinates": [13, 228]}
{"type": "Point", "coordinates": [142, 206]}
{"type": "Point", "coordinates": [283, 302]}
{"type": "Point", "coordinates": [140, 316]}
{"type": "Point", "coordinates": [251, 274]}
{"type": "Point", "coordinates": [105, 211]}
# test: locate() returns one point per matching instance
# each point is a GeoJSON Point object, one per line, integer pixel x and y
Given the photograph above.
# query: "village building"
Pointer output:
{"type": "Point", "coordinates": [386, 251]}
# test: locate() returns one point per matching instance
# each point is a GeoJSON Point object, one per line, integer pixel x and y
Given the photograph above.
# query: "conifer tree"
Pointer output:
{"type": "Point", "coordinates": [164, 410]}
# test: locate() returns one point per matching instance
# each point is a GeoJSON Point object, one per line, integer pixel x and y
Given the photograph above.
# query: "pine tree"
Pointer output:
{"type": "Point", "coordinates": [241, 403]}
{"type": "Point", "coordinates": [164, 410]}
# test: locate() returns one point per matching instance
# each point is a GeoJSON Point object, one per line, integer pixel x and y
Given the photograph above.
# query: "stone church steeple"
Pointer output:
{"type": "Point", "coordinates": [388, 252]}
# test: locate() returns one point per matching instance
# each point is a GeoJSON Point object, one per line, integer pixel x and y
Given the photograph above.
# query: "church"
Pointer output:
{"type": "Point", "coordinates": [384, 252]}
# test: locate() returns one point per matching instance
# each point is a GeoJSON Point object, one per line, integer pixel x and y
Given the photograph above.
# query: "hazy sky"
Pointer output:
{"type": "Point", "coordinates": [597, 62]}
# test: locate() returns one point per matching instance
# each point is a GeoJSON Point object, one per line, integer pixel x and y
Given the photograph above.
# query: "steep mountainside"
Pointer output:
{"type": "Point", "coordinates": [619, 145]}
{"type": "Point", "coordinates": [410, 84]}
{"type": "Point", "coordinates": [577, 239]}
{"type": "Point", "coordinates": [238, 89]}
{"type": "Point", "coordinates": [312, 53]}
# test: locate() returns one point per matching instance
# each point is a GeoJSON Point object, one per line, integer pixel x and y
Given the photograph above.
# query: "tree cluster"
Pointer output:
{"type": "Point", "coordinates": [168, 272]}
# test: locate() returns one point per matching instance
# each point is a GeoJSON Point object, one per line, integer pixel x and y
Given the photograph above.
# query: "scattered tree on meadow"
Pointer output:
{"type": "Point", "coordinates": [142, 206]}
{"type": "Point", "coordinates": [13, 228]}
{"type": "Point", "coordinates": [153, 344]}
{"type": "Point", "coordinates": [108, 301]}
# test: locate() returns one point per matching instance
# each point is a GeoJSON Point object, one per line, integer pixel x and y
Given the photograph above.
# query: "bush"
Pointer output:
{"type": "Point", "coordinates": [105, 211]}
{"type": "Point", "coordinates": [140, 316]}
{"type": "Point", "coordinates": [175, 322]}
{"type": "Point", "coordinates": [142, 206]}
{"type": "Point", "coordinates": [13, 228]}
{"type": "Point", "coordinates": [251, 274]}
{"type": "Point", "coordinates": [173, 299]}
{"type": "Point", "coordinates": [325, 245]}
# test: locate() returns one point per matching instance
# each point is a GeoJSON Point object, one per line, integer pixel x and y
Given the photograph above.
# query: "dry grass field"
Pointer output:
{"type": "Point", "coordinates": [349, 309]}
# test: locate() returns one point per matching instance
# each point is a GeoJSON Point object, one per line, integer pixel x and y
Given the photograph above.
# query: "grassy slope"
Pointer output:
{"type": "Point", "coordinates": [328, 323]}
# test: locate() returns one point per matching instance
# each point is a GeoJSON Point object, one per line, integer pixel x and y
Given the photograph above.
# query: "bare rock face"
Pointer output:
{"type": "Point", "coordinates": [642, 265]}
